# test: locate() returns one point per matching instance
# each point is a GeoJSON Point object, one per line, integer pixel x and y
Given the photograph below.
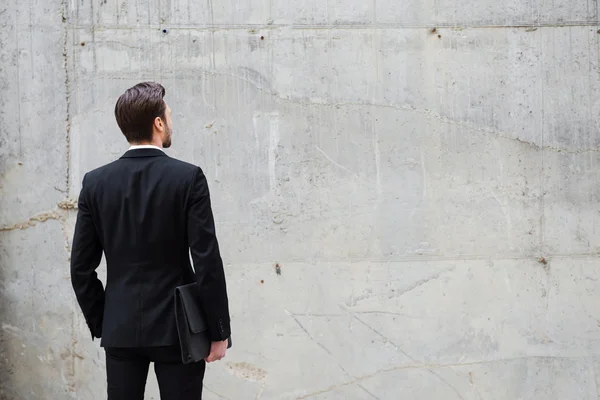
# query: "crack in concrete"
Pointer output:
{"type": "Point", "coordinates": [386, 339]}
{"type": "Point", "coordinates": [54, 215]}
{"type": "Point", "coordinates": [376, 312]}
{"type": "Point", "coordinates": [426, 112]}
{"type": "Point", "coordinates": [318, 343]}
{"type": "Point", "coordinates": [318, 102]}
{"type": "Point", "coordinates": [67, 82]}
{"type": "Point", "coordinates": [402, 107]}
{"type": "Point", "coordinates": [435, 366]}
{"type": "Point", "coordinates": [413, 359]}
{"type": "Point", "coordinates": [368, 392]}
{"type": "Point", "coordinates": [423, 281]}
{"type": "Point", "coordinates": [215, 393]}
{"type": "Point", "coordinates": [341, 166]}
{"type": "Point", "coordinates": [63, 228]}
{"type": "Point", "coordinates": [68, 204]}
{"type": "Point", "coordinates": [447, 383]}
{"type": "Point", "coordinates": [407, 107]}
{"type": "Point", "coordinates": [33, 221]}
{"type": "Point", "coordinates": [473, 385]}
{"type": "Point", "coordinates": [353, 301]}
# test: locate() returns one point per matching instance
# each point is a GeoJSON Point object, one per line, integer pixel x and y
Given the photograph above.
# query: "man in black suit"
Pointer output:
{"type": "Point", "coordinates": [147, 212]}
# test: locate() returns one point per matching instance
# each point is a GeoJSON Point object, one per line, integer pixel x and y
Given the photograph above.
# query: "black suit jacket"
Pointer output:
{"type": "Point", "coordinates": [146, 212]}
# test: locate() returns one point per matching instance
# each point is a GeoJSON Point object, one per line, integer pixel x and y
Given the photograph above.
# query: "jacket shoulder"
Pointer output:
{"type": "Point", "coordinates": [182, 171]}
{"type": "Point", "coordinates": [94, 174]}
{"type": "Point", "coordinates": [178, 167]}
{"type": "Point", "coordinates": [183, 165]}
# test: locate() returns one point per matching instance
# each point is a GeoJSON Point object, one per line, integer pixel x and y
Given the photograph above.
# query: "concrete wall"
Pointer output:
{"type": "Point", "coordinates": [431, 195]}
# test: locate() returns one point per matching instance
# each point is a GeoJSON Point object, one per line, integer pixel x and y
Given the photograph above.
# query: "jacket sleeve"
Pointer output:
{"type": "Point", "coordinates": [207, 261]}
{"type": "Point", "coordinates": [86, 254]}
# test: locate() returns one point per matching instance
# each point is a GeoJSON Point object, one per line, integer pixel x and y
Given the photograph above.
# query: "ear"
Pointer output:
{"type": "Point", "coordinates": [159, 124]}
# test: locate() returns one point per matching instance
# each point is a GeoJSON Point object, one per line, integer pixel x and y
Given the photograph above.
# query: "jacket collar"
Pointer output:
{"type": "Point", "coordinates": [145, 152]}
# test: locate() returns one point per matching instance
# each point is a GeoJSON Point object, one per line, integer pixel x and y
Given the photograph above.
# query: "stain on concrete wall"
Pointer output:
{"type": "Point", "coordinates": [406, 165]}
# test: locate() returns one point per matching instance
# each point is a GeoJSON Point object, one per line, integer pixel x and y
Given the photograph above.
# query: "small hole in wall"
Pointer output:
{"type": "Point", "coordinates": [262, 38]}
{"type": "Point", "coordinates": [165, 31]}
{"type": "Point", "coordinates": [82, 44]}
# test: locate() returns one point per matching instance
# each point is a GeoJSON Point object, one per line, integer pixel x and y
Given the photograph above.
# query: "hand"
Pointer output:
{"type": "Point", "coordinates": [217, 351]}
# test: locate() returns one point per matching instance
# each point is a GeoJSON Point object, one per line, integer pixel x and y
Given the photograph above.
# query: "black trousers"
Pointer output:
{"type": "Point", "coordinates": [127, 370]}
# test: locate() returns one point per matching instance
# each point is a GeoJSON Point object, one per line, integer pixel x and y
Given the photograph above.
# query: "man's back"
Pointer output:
{"type": "Point", "coordinates": [138, 204]}
{"type": "Point", "coordinates": [147, 213]}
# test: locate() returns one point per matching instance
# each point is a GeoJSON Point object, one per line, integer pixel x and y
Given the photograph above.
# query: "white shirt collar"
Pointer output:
{"type": "Point", "coordinates": [145, 146]}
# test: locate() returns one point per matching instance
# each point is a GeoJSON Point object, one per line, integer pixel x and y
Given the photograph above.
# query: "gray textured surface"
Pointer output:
{"type": "Point", "coordinates": [406, 180]}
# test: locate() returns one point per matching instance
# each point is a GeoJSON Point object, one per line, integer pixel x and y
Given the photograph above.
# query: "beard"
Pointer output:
{"type": "Point", "coordinates": [167, 140]}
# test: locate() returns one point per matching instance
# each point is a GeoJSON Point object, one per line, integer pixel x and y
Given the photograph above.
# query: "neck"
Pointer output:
{"type": "Point", "coordinates": [157, 143]}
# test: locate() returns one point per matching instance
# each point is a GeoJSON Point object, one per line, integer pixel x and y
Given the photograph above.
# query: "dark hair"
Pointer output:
{"type": "Point", "coordinates": [137, 108]}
